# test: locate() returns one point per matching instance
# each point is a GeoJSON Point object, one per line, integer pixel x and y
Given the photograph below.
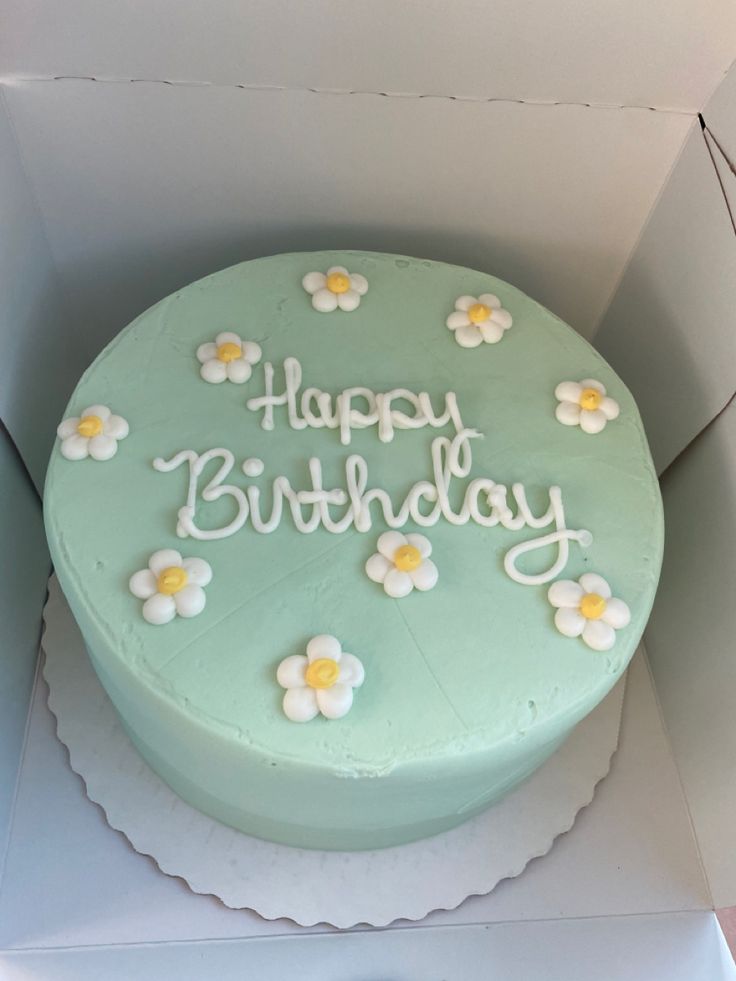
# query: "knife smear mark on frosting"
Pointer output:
{"type": "Point", "coordinates": [485, 502]}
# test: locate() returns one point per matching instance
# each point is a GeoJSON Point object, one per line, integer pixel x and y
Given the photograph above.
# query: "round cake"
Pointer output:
{"type": "Point", "coordinates": [354, 541]}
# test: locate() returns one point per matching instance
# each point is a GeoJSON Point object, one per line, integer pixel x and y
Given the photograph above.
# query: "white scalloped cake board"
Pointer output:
{"type": "Point", "coordinates": [338, 888]}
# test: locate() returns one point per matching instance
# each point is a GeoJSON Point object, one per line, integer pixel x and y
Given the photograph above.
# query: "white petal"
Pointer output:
{"type": "Point", "coordinates": [198, 571]}
{"type": "Point", "coordinates": [324, 645]}
{"type": "Point", "coordinates": [116, 426]}
{"type": "Point", "coordinates": [425, 576]}
{"type": "Point", "coordinates": [68, 427]}
{"type": "Point", "coordinates": [300, 704]}
{"type": "Point", "coordinates": [352, 671]}
{"type": "Point", "coordinates": [465, 302]}
{"type": "Point", "coordinates": [593, 583]}
{"type": "Point", "coordinates": [253, 467]}
{"type": "Point", "coordinates": [214, 371]}
{"type": "Point", "coordinates": [159, 609]}
{"type": "Point", "coordinates": [101, 411]}
{"type": "Point", "coordinates": [569, 392]}
{"type": "Point", "coordinates": [610, 408]}
{"type": "Point", "coordinates": [599, 635]}
{"type": "Point", "coordinates": [422, 543]}
{"type": "Point", "coordinates": [389, 542]}
{"type": "Point", "coordinates": [337, 269]}
{"type": "Point", "coordinates": [238, 371]}
{"type": "Point", "coordinates": [142, 584]}
{"type": "Point", "coordinates": [490, 331]}
{"type": "Point", "coordinates": [468, 336]}
{"type": "Point", "coordinates": [565, 593]}
{"type": "Point", "coordinates": [490, 300]}
{"type": "Point", "coordinates": [568, 413]}
{"type": "Point", "coordinates": [458, 319]}
{"type": "Point", "coordinates": [206, 352]}
{"type": "Point", "coordinates": [228, 337]}
{"type": "Point", "coordinates": [348, 301]}
{"type": "Point", "coordinates": [252, 352]}
{"type": "Point", "coordinates": [377, 567]}
{"type": "Point", "coordinates": [336, 701]}
{"type": "Point", "coordinates": [75, 447]}
{"type": "Point", "coordinates": [190, 601]}
{"type": "Point", "coordinates": [397, 583]}
{"type": "Point", "coordinates": [592, 420]}
{"type": "Point", "coordinates": [358, 283]}
{"type": "Point", "coordinates": [592, 383]}
{"type": "Point", "coordinates": [314, 281]}
{"type": "Point", "coordinates": [503, 318]}
{"type": "Point", "coordinates": [162, 559]}
{"type": "Point", "coordinates": [617, 614]}
{"type": "Point", "coordinates": [325, 301]}
{"type": "Point", "coordinates": [570, 622]}
{"type": "Point", "coordinates": [102, 447]}
{"type": "Point", "coordinates": [290, 673]}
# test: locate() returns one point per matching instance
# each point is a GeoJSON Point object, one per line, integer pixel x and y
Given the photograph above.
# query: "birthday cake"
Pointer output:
{"type": "Point", "coordinates": [354, 541]}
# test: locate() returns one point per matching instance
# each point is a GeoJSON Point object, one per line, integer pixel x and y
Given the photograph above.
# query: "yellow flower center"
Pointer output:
{"type": "Point", "coordinates": [338, 282]}
{"type": "Point", "coordinates": [229, 352]}
{"type": "Point", "coordinates": [590, 398]}
{"type": "Point", "coordinates": [322, 673]}
{"type": "Point", "coordinates": [172, 580]}
{"type": "Point", "coordinates": [407, 558]}
{"type": "Point", "coordinates": [478, 313]}
{"type": "Point", "coordinates": [592, 606]}
{"type": "Point", "coordinates": [89, 426]}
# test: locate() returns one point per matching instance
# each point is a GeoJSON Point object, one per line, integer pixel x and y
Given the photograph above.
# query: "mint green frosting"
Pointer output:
{"type": "Point", "coordinates": [469, 687]}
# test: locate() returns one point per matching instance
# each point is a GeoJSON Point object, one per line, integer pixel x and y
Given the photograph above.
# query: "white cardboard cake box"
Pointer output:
{"type": "Point", "coordinates": [557, 144]}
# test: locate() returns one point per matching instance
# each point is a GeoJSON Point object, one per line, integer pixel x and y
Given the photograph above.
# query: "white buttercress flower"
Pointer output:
{"type": "Point", "coordinates": [171, 586]}
{"type": "Point", "coordinates": [402, 563]}
{"type": "Point", "coordinates": [320, 681]}
{"type": "Point", "coordinates": [336, 288]}
{"type": "Point", "coordinates": [229, 358]}
{"type": "Point", "coordinates": [95, 433]}
{"type": "Point", "coordinates": [585, 404]}
{"type": "Point", "coordinates": [586, 608]}
{"type": "Point", "coordinates": [479, 319]}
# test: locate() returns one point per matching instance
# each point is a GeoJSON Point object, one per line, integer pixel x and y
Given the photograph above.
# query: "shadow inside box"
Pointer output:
{"type": "Point", "coordinates": [646, 337]}
{"type": "Point", "coordinates": [112, 287]}
{"type": "Point", "coordinates": [43, 360]}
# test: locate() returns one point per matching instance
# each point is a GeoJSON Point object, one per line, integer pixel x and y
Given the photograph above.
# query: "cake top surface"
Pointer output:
{"type": "Point", "coordinates": [470, 661]}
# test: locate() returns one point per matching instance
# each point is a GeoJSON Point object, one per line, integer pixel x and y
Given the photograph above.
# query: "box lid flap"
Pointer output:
{"type": "Point", "coordinates": [662, 53]}
{"type": "Point", "coordinates": [669, 330]}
